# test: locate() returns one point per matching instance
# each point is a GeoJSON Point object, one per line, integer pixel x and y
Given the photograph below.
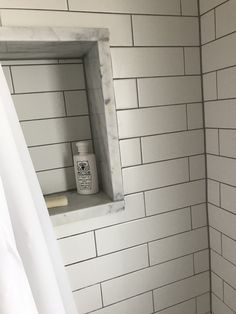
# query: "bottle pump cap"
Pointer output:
{"type": "Point", "coordinates": [83, 147]}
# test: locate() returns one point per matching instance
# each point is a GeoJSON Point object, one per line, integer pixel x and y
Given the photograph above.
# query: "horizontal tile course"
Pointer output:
{"type": "Point", "coordinates": [141, 231]}
{"type": "Point", "coordinates": [178, 196]}
{"type": "Point", "coordinates": [132, 123]}
{"type": "Point", "coordinates": [36, 4]}
{"type": "Point", "coordinates": [77, 248]}
{"type": "Point", "coordinates": [147, 279]}
{"type": "Point", "coordinates": [166, 249]}
{"type": "Point", "coordinates": [88, 299]}
{"type": "Point", "coordinates": [225, 19]}
{"type": "Point", "coordinates": [56, 130]}
{"type": "Point", "coordinates": [217, 285]}
{"type": "Point", "coordinates": [146, 62]}
{"type": "Point", "coordinates": [127, 6]}
{"type": "Point", "coordinates": [188, 307]}
{"type": "Point", "coordinates": [39, 105]}
{"type": "Point", "coordinates": [220, 114]}
{"type": "Point", "coordinates": [228, 197]}
{"type": "Point", "coordinates": [169, 90]}
{"type": "Point", "coordinates": [141, 304]}
{"type": "Point", "coordinates": [103, 268]}
{"type": "Point", "coordinates": [118, 25]}
{"type": "Point", "coordinates": [223, 268]}
{"type": "Point", "coordinates": [175, 145]}
{"type": "Point", "coordinates": [169, 31]}
{"type": "Point", "coordinates": [219, 307]}
{"type": "Point", "coordinates": [181, 291]}
{"type": "Point", "coordinates": [47, 77]}
{"type": "Point", "coordinates": [155, 175]}
{"type": "Point", "coordinates": [222, 169]}
{"type": "Point", "coordinates": [222, 221]}
{"type": "Point", "coordinates": [219, 54]}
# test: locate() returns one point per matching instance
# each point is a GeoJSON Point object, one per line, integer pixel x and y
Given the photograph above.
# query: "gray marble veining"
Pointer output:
{"type": "Point", "coordinates": [93, 45]}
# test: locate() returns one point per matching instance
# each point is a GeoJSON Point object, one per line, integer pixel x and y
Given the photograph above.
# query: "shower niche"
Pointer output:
{"type": "Point", "coordinates": [62, 88]}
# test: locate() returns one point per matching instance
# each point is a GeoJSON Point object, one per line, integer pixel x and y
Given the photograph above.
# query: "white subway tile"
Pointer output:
{"type": "Point", "coordinates": [229, 249]}
{"type": "Point", "coordinates": [227, 143]}
{"type": "Point", "coordinates": [189, 7]}
{"type": "Point", "coordinates": [127, 6]}
{"type": "Point", "coordinates": [36, 4]}
{"type": "Point", "coordinates": [206, 5]}
{"type": "Point", "coordinates": [213, 192]}
{"type": "Point", "coordinates": [126, 94]}
{"type": "Point", "coordinates": [223, 268]}
{"type": "Point", "coordinates": [76, 103]}
{"type": "Point", "coordinates": [225, 17]}
{"type": "Point", "coordinates": [172, 247]}
{"type": "Point", "coordinates": [218, 307]}
{"type": "Point", "coordinates": [145, 62]}
{"type": "Point", "coordinates": [47, 77]}
{"type": "Point", "coordinates": [51, 131]}
{"type": "Point", "coordinates": [169, 31]}
{"type": "Point", "coordinates": [208, 27]}
{"type": "Point", "coordinates": [174, 145]}
{"type": "Point", "coordinates": [39, 105]}
{"type": "Point", "coordinates": [130, 151]}
{"type": "Point", "coordinates": [173, 197]}
{"type": "Point", "coordinates": [199, 215]}
{"type": "Point", "coordinates": [77, 248]}
{"type": "Point", "coordinates": [70, 60]}
{"type": "Point", "coordinates": [230, 296]}
{"type": "Point", "coordinates": [220, 114]}
{"type": "Point", "coordinates": [51, 156]}
{"type": "Point", "coordinates": [192, 60]}
{"type": "Point", "coordinates": [29, 61]}
{"type": "Point", "coordinates": [197, 167]}
{"type": "Point", "coordinates": [219, 54]}
{"type": "Point", "coordinates": [155, 175]}
{"type": "Point", "coordinates": [188, 307]}
{"type": "Point", "coordinates": [226, 82]}
{"type": "Point", "coordinates": [222, 169]}
{"type": "Point", "coordinates": [209, 86]}
{"type": "Point", "coordinates": [217, 285]}
{"type": "Point", "coordinates": [7, 74]}
{"type": "Point", "coordinates": [195, 116]}
{"type": "Point", "coordinates": [203, 303]}
{"type": "Point", "coordinates": [215, 239]}
{"type": "Point", "coordinates": [58, 180]}
{"type": "Point", "coordinates": [169, 90]}
{"type": "Point", "coordinates": [228, 197]}
{"type": "Point", "coordinates": [106, 267]}
{"type": "Point", "coordinates": [88, 299]}
{"type": "Point", "coordinates": [141, 304]}
{"type": "Point", "coordinates": [222, 221]}
{"type": "Point", "coordinates": [201, 261]}
{"type": "Point", "coordinates": [118, 25]}
{"type": "Point", "coordinates": [147, 279]}
{"type": "Point", "coordinates": [142, 231]}
{"type": "Point", "coordinates": [212, 141]}
{"type": "Point", "coordinates": [150, 121]}
{"type": "Point", "coordinates": [134, 209]}
{"type": "Point", "coordinates": [180, 291]}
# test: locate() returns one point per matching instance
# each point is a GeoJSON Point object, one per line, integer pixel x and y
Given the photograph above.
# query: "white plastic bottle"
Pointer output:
{"type": "Point", "coordinates": [85, 170]}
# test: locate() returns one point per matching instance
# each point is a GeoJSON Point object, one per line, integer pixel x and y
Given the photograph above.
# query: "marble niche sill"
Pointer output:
{"type": "Point", "coordinates": [83, 207]}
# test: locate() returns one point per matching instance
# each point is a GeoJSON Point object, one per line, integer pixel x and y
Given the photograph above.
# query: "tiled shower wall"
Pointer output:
{"type": "Point", "coordinates": [219, 67]}
{"type": "Point", "coordinates": [152, 257]}
{"type": "Point", "coordinates": [51, 103]}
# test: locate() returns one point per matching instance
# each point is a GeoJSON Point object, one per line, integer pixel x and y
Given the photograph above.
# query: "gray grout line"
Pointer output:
{"type": "Point", "coordinates": [12, 82]}
{"type": "Point", "coordinates": [132, 29]}
{"type": "Point", "coordinates": [214, 7]}
{"type": "Point", "coordinates": [138, 245]}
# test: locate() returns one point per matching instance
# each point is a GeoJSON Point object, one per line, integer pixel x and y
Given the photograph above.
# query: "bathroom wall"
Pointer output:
{"type": "Point", "coordinates": [219, 67]}
{"type": "Point", "coordinates": [152, 257]}
{"type": "Point", "coordinates": [51, 103]}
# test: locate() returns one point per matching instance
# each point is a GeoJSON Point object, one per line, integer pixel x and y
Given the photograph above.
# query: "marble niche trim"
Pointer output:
{"type": "Point", "coordinates": [92, 45]}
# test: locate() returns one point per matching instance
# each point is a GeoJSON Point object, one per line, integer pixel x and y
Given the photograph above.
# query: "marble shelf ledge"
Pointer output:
{"type": "Point", "coordinates": [83, 207]}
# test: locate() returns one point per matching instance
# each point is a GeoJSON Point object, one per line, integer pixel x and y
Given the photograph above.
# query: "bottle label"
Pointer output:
{"type": "Point", "coordinates": [84, 175]}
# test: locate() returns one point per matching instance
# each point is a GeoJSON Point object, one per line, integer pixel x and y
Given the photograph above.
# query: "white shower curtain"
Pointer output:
{"type": "Point", "coordinates": [28, 249]}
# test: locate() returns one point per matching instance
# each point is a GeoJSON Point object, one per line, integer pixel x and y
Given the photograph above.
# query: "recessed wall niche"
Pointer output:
{"type": "Point", "coordinates": [61, 84]}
